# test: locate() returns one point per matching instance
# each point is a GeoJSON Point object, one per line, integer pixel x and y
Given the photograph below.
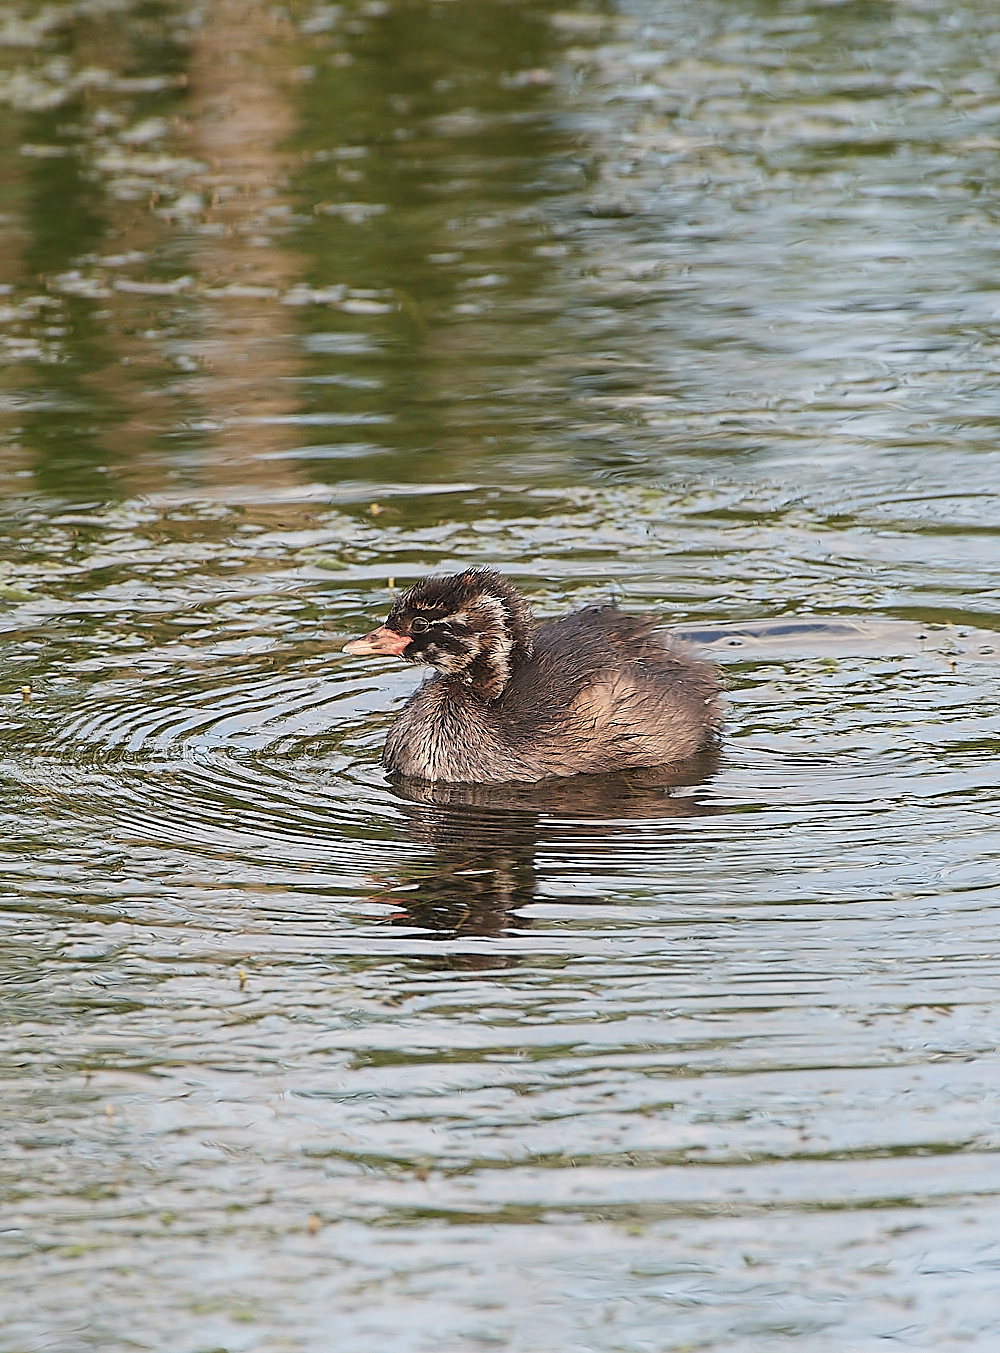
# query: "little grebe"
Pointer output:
{"type": "Point", "coordinates": [591, 692]}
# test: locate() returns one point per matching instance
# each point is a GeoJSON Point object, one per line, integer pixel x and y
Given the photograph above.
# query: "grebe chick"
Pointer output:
{"type": "Point", "coordinates": [592, 692]}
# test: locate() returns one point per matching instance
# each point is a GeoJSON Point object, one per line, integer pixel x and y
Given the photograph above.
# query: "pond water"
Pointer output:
{"type": "Point", "coordinates": [692, 301]}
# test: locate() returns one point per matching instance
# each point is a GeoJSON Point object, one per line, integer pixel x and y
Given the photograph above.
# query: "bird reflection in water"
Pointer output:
{"type": "Point", "coordinates": [484, 841]}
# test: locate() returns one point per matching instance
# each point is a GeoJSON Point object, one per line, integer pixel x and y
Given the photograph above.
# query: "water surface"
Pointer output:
{"type": "Point", "coordinates": [692, 303]}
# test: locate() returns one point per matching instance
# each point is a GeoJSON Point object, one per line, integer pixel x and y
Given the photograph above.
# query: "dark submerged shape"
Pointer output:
{"type": "Point", "coordinates": [591, 692]}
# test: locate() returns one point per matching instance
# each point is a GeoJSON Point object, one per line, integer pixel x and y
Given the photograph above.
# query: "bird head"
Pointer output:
{"type": "Point", "coordinates": [474, 626]}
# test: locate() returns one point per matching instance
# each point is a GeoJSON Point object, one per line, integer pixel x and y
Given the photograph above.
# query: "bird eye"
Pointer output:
{"type": "Point", "coordinates": [418, 625]}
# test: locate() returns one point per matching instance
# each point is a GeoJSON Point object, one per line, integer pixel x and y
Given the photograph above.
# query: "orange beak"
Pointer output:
{"type": "Point", "coordinates": [382, 640]}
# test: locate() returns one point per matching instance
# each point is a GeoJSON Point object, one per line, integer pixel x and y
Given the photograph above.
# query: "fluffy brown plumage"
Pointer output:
{"type": "Point", "coordinates": [591, 692]}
